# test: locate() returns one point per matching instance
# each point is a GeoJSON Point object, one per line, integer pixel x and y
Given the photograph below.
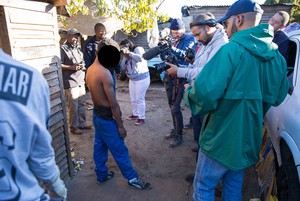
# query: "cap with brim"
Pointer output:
{"type": "Point", "coordinates": [241, 6]}
{"type": "Point", "coordinates": [73, 32]}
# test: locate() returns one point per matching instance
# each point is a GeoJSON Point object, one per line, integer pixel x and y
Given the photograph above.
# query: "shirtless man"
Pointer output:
{"type": "Point", "coordinates": [107, 118]}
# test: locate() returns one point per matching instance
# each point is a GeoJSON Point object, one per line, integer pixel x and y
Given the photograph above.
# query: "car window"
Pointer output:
{"type": "Point", "coordinates": [291, 64]}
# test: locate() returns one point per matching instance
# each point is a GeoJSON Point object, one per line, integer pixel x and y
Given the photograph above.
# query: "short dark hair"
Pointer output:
{"type": "Point", "coordinates": [204, 16]}
{"type": "Point", "coordinates": [99, 25]}
{"type": "Point", "coordinates": [127, 43]}
{"type": "Point", "coordinates": [285, 17]}
{"type": "Point", "coordinates": [105, 42]}
{"type": "Point", "coordinates": [108, 53]}
{"type": "Point", "coordinates": [204, 19]}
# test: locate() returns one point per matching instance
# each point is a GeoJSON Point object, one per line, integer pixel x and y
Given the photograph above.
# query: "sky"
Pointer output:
{"type": "Point", "coordinates": [173, 7]}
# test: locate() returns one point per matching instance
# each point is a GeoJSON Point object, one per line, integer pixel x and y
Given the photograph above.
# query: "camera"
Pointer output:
{"type": "Point", "coordinates": [124, 50]}
{"type": "Point", "coordinates": [82, 65]}
{"type": "Point", "coordinates": [164, 48]}
{"type": "Point", "coordinates": [160, 67]}
{"type": "Point", "coordinates": [190, 54]}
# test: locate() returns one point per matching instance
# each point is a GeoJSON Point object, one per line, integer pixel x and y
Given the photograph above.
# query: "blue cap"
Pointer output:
{"type": "Point", "coordinates": [73, 32]}
{"type": "Point", "coordinates": [241, 6]}
{"type": "Point", "coordinates": [177, 24]}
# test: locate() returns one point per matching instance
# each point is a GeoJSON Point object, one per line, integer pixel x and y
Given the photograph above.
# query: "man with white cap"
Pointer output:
{"type": "Point", "coordinates": [73, 67]}
{"type": "Point", "coordinates": [234, 90]}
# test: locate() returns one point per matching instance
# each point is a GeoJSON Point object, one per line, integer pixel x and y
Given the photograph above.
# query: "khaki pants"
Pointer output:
{"type": "Point", "coordinates": [76, 103]}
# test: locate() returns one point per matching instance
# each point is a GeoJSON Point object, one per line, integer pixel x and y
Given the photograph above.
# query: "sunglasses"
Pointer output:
{"type": "Point", "coordinates": [224, 23]}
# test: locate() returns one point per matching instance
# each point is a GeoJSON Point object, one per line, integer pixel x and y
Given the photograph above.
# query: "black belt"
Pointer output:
{"type": "Point", "coordinates": [103, 112]}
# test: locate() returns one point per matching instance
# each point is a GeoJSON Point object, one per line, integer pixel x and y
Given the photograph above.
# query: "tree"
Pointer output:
{"type": "Point", "coordinates": [138, 15]}
{"type": "Point", "coordinates": [295, 12]}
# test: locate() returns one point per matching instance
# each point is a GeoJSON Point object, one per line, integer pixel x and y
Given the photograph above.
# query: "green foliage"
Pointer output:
{"type": "Point", "coordinates": [295, 13]}
{"type": "Point", "coordinates": [138, 15]}
{"type": "Point", "coordinates": [77, 6]}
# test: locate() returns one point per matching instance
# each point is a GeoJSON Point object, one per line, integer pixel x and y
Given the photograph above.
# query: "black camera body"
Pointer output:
{"type": "Point", "coordinates": [190, 54]}
{"type": "Point", "coordinates": [82, 65]}
{"type": "Point", "coordinates": [165, 48]}
{"type": "Point", "coordinates": [160, 67]}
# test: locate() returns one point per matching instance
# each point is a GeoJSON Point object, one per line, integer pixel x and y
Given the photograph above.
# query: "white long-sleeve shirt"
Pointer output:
{"type": "Point", "coordinates": [135, 66]}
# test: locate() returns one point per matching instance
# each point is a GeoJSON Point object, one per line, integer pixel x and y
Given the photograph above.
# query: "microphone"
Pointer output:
{"type": "Point", "coordinates": [152, 52]}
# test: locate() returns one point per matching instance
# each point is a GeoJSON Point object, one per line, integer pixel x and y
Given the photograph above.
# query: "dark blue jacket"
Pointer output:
{"type": "Point", "coordinates": [90, 51]}
{"type": "Point", "coordinates": [282, 40]}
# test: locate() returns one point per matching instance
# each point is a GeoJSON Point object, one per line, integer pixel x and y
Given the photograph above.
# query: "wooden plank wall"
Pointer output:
{"type": "Point", "coordinates": [32, 37]}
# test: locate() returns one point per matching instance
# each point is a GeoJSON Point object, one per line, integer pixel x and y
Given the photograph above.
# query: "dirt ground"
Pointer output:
{"type": "Point", "coordinates": [164, 167]}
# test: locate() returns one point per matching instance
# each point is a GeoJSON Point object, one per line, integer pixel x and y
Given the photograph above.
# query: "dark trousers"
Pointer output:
{"type": "Point", "coordinates": [175, 90]}
{"type": "Point", "coordinates": [197, 123]}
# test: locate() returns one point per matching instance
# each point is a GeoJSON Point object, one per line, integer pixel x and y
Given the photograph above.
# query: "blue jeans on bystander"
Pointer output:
{"type": "Point", "coordinates": [208, 173]}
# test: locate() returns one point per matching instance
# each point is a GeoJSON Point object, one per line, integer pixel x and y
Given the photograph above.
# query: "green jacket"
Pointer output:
{"type": "Point", "coordinates": [235, 89]}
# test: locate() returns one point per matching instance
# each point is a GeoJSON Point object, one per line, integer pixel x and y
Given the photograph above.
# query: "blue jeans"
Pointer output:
{"type": "Point", "coordinates": [208, 174]}
{"type": "Point", "coordinates": [107, 138]}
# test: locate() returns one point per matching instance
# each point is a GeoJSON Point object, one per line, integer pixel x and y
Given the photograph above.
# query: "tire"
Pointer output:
{"type": "Point", "coordinates": [287, 179]}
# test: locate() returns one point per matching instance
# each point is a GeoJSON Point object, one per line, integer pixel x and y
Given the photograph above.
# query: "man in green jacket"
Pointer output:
{"type": "Point", "coordinates": [234, 90]}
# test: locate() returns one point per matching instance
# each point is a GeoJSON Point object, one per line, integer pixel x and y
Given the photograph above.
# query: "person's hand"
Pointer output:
{"type": "Point", "coordinates": [186, 86]}
{"type": "Point", "coordinates": [172, 70]}
{"type": "Point", "coordinates": [76, 67]}
{"type": "Point", "coordinates": [126, 55]}
{"type": "Point", "coordinates": [56, 188]}
{"type": "Point", "coordinates": [122, 132]}
{"type": "Point", "coordinates": [118, 76]}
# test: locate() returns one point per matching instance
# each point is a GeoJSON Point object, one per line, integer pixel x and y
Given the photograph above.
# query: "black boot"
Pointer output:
{"type": "Point", "coordinates": [176, 141]}
{"type": "Point", "coordinates": [171, 134]}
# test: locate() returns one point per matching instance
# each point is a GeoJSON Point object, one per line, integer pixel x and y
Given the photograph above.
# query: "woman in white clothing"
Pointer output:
{"type": "Point", "coordinates": [137, 71]}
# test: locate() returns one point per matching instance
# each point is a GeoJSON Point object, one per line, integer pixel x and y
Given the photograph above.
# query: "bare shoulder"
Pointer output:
{"type": "Point", "coordinates": [98, 73]}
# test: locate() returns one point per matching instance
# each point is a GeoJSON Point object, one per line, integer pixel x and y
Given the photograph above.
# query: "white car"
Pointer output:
{"type": "Point", "coordinates": [283, 126]}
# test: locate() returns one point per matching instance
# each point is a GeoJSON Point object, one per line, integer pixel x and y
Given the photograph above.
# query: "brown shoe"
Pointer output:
{"type": "Point", "coordinates": [86, 127]}
{"type": "Point", "coordinates": [76, 131]}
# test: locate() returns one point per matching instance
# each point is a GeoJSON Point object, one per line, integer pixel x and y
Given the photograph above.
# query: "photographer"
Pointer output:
{"type": "Point", "coordinates": [136, 69]}
{"type": "Point", "coordinates": [175, 86]}
{"type": "Point", "coordinates": [212, 37]}
{"type": "Point", "coordinates": [73, 76]}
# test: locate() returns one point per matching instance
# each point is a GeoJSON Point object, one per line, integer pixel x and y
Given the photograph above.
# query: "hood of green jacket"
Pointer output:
{"type": "Point", "coordinates": [260, 42]}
